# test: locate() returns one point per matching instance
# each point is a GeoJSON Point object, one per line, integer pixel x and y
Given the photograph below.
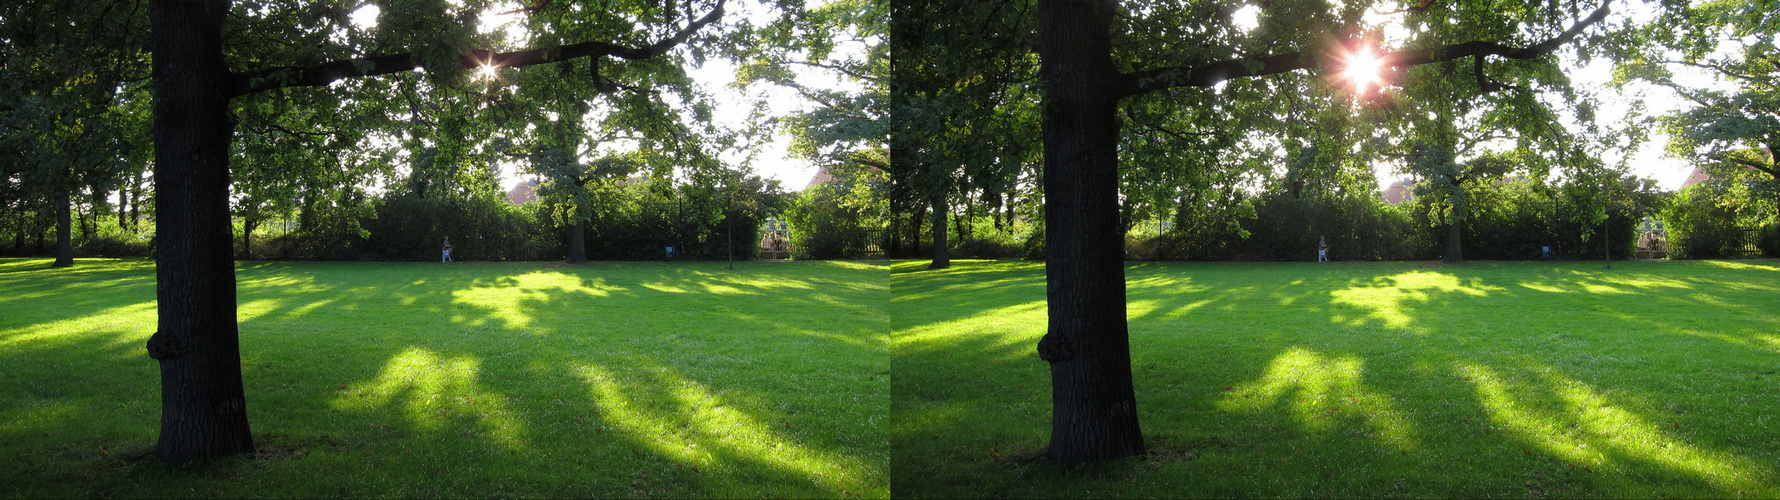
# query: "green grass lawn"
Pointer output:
{"type": "Point", "coordinates": [1407, 379]}
{"type": "Point", "coordinates": [419, 380]}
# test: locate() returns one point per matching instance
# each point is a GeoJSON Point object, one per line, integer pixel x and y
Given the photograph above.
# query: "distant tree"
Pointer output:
{"type": "Point", "coordinates": [1444, 181]}
{"type": "Point", "coordinates": [68, 85]}
{"type": "Point", "coordinates": [1733, 130]}
{"type": "Point", "coordinates": [963, 110]}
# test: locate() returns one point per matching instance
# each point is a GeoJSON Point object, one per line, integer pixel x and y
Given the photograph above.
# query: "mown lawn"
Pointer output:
{"type": "Point", "coordinates": [1521, 380]}
{"type": "Point", "coordinates": [420, 380]}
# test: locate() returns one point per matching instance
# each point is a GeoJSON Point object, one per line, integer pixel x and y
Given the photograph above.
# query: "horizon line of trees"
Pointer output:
{"type": "Point", "coordinates": [1513, 218]}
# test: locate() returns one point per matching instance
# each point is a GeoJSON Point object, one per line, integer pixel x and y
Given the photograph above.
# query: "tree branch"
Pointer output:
{"type": "Point", "coordinates": [1772, 171]}
{"type": "Point", "coordinates": [880, 166]}
{"type": "Point", "coordinates": [326, 73]}
{"type": "Point", "coordinates": [1179, 136]}
{"type": "Point", "coordinates": [1150, 80]}
{"type": "Point", "coordinates": [1715, 67]}
{"type": "Point", "coordinates": [841, 69]}
{"type": "Point", "coordinates": [298, 135]}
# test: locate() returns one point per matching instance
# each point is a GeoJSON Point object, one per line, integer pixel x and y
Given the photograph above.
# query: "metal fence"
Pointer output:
{"type": "Point", "coordinates": [1749, 249]}
{"type": "Point", "coordinates": [875, 242]}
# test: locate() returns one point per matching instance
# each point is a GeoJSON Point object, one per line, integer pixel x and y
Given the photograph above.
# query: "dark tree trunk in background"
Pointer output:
{"type": "Point", "coordinates": [895, 244]}
{"type": "Point", "coordinates": [87, 224]}
{"type": "Point", "coordinates": [203, 407]}
{"type": "Point", "coordinates": [123, 209]}
{"type": "Point", "coordinates": [248, 223]}
{"type": "Point", "coordinates": [1094, 406]}
{"type": "Point", "coordinates": [1453, 254]}
{"type": "Point", "coordinates": [136, 202]}
{"type": "Point", "coordinates": [963, 219]}
{"type": "Point", "coordinates": [1607, 243]}
{"type": "Point", "coordinates": [995, 212]}
{"type": "Point", "coordinates": [916, 217]}
{"type": "Point", "coordinates": [1009, 207]}
{"type": "Point", "coordinates": [64, 230]}
{"type": "Point", "coordinates": [941, 259]}
{"type": "Point", "coordinates": [577, 243]}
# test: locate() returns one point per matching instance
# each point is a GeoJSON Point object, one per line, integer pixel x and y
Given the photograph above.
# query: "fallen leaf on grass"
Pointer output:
{"type": "Point", "coordinates": [342, 387]}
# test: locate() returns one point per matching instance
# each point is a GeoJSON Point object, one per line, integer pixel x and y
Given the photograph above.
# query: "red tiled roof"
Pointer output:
{"type": "Point", "coordinates": [523, 192]}
{"type": "Point", "coordinates": [1699, 175]}
{"type": "Point", "coordinates": [1397, 193]}
{"type": "Point", "coordinates": [820, 178]}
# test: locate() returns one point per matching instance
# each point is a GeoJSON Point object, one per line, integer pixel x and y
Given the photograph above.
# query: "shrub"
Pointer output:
{"type": "Point", "coordinates": [114, 241]}
{"type": "Point", "coordinates": [407, 227]}
{"type": "Point", "coordinates": [1703, 222]}
{"type": "Point", "coordinates": [835, 220]}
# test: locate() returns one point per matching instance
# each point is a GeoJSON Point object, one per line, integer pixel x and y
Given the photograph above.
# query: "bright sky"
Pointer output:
{"type": "Point", "coordinates": [1649, 161]}
{"type": "Point", "coordinates": [732, 106]}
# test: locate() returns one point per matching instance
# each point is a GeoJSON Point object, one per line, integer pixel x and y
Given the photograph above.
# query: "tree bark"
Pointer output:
{"type": "Point", "coordinates": [941, 259]}
{"type": "Point", "coordinates": [203, 406]}
{"type": "Point", "coordinates": [577, 243]}
{"type": "Point", "coordinates": [1094, 406]}
{"type": "Point", "coordinates": [64, 230]}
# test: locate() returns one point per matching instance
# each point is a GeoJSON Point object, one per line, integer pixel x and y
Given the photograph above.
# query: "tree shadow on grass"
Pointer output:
{"type": "Point", "coordinates": [1300, 380]}
{"type": "Point", "coordinates": [410, 384]}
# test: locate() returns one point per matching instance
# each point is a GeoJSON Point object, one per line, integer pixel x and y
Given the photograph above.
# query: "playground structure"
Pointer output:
{"type": "Point", "coordinates": [1653, 239]}
{"type": "Point", "coordinates": [775, 240]}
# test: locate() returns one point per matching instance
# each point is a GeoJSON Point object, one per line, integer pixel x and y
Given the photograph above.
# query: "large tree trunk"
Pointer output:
{"type": "Point", "coordinates": [1453, 254]}
{"type": "Point", "coordinates": [203, 406]}
{"type": "Point", "coordinates": [941, 259]}
{"type": "Point", "coordinates": [577, 243]}
{"type": "Point", "coordinates": [1093, 404]}
{"type": "Point", "coordinates": [64, 230]}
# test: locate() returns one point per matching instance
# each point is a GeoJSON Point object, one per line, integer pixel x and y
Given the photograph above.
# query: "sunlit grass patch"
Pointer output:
{"type": "Point", "coordinates": [1360, 380]}
{"type": "Point", "coordinates": [416, 380]}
